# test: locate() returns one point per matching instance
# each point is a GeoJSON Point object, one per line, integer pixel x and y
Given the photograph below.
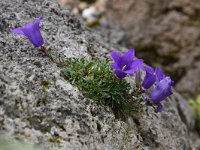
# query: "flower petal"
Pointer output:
{"type": "Point", "coordinates": [120, 74]}
{"type": "Point", "coordinates": [18, 31]}
{"type": "Point", "coordinates": [29, 25]}
{"type": "Point", "coordinates": [150, 77]}
{"type": "Point", "coordinates": [38, 35]}
{"type": "Point", "coordinates": [161, 91]}
{"type": "Point", "coordinates": [33, 37]}
{"type": "Point", "coordinates": [159, 73]}
{"type": "Point", "coordinates": [149, 69]}
{"type": "Point", "coordinates": [129, 55]}
{"type": "Point", "coordinates": [159, 108]}
{"type": "Point", "coordinates": [36, 24]}
{"type": "Point", "coordinates": [172, 83]}
{"type": "Point", "coordinates": [149, 80]}
{"type": "Point", "coordinates": [115, 66]}
{"type": "Point", "coordinates": [136, 64]}
{"type": "Point", "coordinates": [115, 56]}
{"type": "Point", "coordinates": [130, 71]}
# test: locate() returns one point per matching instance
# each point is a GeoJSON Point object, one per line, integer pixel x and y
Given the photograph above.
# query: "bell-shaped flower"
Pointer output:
{"type": "Point", "coordinates": [150, 77]}
{"type": "Point", "coordinates": [159, 73]}
{"type": "Point", "coordinates": [32, 32]}
{"type": "Point", "coordinates": [161, 91]}
{"type": "Point", "coordinates": [125, 64]}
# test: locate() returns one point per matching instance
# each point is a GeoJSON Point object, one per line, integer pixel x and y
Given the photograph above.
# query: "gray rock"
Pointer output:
{"type": "Point", "coordinates": [38, 106]}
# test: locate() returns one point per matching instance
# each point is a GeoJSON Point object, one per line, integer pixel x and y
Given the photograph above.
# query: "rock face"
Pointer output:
{"type": "Point", "coordinates": [164, 32]}
{"type": "Point", "coordinates": [37, 105]}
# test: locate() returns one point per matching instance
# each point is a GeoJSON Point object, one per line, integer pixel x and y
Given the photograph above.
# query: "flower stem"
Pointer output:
{"type": "Point", "coordinates": [45, 51]}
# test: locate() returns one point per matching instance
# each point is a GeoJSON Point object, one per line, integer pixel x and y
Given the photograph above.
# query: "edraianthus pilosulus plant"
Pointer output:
{"type": "Point", "coordinates": [124, 64]}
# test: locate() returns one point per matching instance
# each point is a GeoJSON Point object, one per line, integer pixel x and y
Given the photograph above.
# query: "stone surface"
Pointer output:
{"type": "Point", "coordinates": [37, 105]}
{"type": "Point", "coordinates": [166, 33]}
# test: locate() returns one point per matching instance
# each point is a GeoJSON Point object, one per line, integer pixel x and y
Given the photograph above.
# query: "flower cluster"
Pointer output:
{"type": "Point", "coordinates": [123, 65]}
{"type": "Point", "coordinates": [162, 87]}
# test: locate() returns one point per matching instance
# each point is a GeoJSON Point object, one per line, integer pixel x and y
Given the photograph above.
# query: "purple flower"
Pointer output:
{"type": "Point", "coordinates": [161, 91]}
{"type": "Point", "coordinates": [159, 73]}
{"type": "Point", "coordinates": [32, 32]}
{"type": "Point", "coordinates": [162, 88]}
{"type": "Point", "coordinates": [150, 77]}
{"type": "Point", "coordinates": [124, 64]}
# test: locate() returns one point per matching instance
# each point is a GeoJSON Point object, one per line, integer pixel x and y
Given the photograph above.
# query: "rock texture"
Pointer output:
{"type": "Point", "coordinates": [37, 105]}
{"type": "Point", "coordinates": [164, 32]}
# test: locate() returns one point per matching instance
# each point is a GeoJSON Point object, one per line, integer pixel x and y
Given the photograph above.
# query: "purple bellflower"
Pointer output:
{"type": "Point", "coordinates": [124, 64]}
{"type": "Point", "coordinates": [159, 74]}
{"type": "Point", "coordinates": [150, 77]}
{"type": "Point", "coordinates": [32, 32]}
{"type": "Point", "coordinates": [162, 88]}
{"type": "Point", "coordinates": [161, 91]}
